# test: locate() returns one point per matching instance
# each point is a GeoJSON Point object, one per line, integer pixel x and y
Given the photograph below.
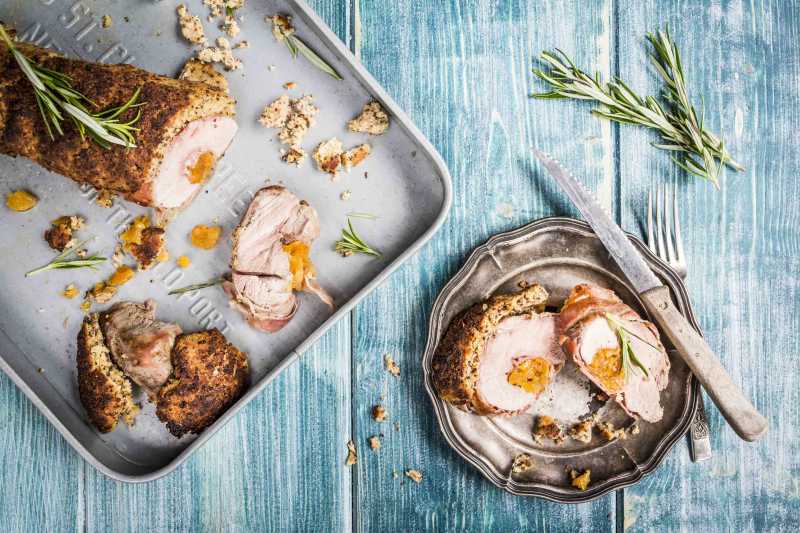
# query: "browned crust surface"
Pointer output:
{"type": "Point", "coordinates": [208, 375]}
{"type": "Point", "coordinates": [171, 104]}
{"type": "Point", "coordinates": [104, 391]}
{"type": "Point", "coordinates": [456, 360]}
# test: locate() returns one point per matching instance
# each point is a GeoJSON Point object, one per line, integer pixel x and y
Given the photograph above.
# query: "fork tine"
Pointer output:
{"type": "Point", "coordinates": [668, 226]}
{"type": "Point", "coordinates": [660, 224]}
{"type": "Point", "coordinates": [677, 226]}
{"type": "Point", "coordinates": [651, 243]}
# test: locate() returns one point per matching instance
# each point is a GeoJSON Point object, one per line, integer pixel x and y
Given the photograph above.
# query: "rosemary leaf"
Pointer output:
{"type": "Point", "coordinates": [308, 53]}
{"type": "Point", "coordinates": [57, 100]}
{"type": "Point", "coordinates": [368, 216]}
{"type": "Point", "coordinates": [701, 152]}
{"type": "Point", "coordinates": [63, 261]}
{"type": "Point", "coordinates": [351, 243]}
{"type": "Point", "coordinates": [197, 286]}
{"type": "Point", "coordinates": [629, 359]}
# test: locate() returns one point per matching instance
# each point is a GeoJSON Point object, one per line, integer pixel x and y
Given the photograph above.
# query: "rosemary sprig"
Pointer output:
{"type": "Point", "coordinates": [63, 260]}
{"type": "Point", "coordinates": [368, 216]}
{"type": "Point", "coordinates": [197, 286]}
{"type": "Point", "coordinates": [57, 101]}
{"type": "Point", "coordinates": [284, 31]}
{"type": "Point", "coordinates": [703, 153]}
{"type": "Point", "coordinates": [351, 243]}
{"type": "Point", "coordinates": [629, 358]}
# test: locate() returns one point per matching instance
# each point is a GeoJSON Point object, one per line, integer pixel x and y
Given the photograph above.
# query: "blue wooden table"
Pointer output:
{"type": "Point", "coordinates": [461, 69]}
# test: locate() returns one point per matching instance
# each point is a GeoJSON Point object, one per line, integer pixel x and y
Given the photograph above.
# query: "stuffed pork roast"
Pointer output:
{"type": "Point", "coordinates": [185, 127]}
{"type": "Point", "coordinates": [270, 259]}
{"type": "Point", "coordinates": [499, 355]}
{"type": "Point", "coordinates": [192, 378]}
{"type": "Point", "coordinates": [593, 320]}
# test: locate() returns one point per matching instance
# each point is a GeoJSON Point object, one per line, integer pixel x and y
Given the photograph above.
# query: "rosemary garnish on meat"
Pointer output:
{"type": "Point", "coordinates": [629, 359]}
{"type": "Point", "coordinates": [197, 286]}
{"type": "Point", "coordinates": [69, 258]}
{"type": "Point", "coordinates": [57, 101]}
{"type": "Point", "coordinates": [283, 30]}
{"type": "Point", "coordinates": [681, 130]}
{"type": "Point", "coordinates": [351, 243]}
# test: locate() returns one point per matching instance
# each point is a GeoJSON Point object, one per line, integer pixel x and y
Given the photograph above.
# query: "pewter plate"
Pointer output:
{"type": "Point", "coordinates": [407, 185]}
{"type": "Point", "coordinates": [558, 253]}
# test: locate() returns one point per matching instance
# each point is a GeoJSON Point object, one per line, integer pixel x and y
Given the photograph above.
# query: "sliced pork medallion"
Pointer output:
{"type": "Point", "coordinates": [519, 361]}
{"type": "Point", "coordinates": [185, 127]}
{"type": "Point", "coordinates": [498, 355]}
{"type": "Point", "coordinates": [616, 349]}
{"type": "Point", "coordinates": [140, 345]}
{"type": "Point", "coordinates": [270, 259]}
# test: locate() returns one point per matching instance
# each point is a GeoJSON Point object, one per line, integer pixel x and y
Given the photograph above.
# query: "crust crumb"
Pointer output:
{"type": "Point", "coordinates": [352, 456]}
{"type": "Point", "coordinates": [391, 367]}
{"type": "Point", "coordinates": [580, 481]}
{"type": "Point", "coordinates": [414, 475]}
{"type": "Point", "coordinates": [547, 428]}
{"type": "Point", "coordinates": [522, 463]}
{"type": "Point", "coordinates": [379, 413]}
{"type": "Point", "coordinates": [191, 26]}
{"type": "Point", "coordinates": [373, 120]}
{"type": "Point", "coordinates": [375, 442]}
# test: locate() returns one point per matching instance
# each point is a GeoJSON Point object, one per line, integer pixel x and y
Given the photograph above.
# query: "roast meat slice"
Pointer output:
{"type": "Point", "coordinates": [140, 345]}
{"type": "Point", "coordinates": [270, 259]}
{"type": "Point", "coordinates": [519, 361]}
{"type": "Point", "coordinates": [592, 340]}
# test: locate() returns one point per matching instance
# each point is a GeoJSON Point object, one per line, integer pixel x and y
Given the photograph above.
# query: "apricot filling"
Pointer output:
{"type": "Point", "coordinates": [122, 276]}
{"type": "Point", "coordinates": [202, 168]}
{"type": "Point", "coordinates": [606, 366]}
{"type": "Point", "coordinates": [21, 201]}
{"type": "Point", "coordinates": [133, 235]}
{"type": "Point", "coordinates": [299, 263]}
{"type": "Point", "coordinates": [205, 237]}
{"type": "Point", "coordinates": [531, 375]}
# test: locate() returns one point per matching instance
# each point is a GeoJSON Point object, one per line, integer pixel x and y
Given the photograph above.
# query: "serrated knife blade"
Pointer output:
{"type": "Point", "coordinates": [615, 241]}
{"type": "Point", "coordinates": [742, 416]}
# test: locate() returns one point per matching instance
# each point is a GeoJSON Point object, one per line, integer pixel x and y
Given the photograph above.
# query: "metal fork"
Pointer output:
{"type": "Point", "coordinates": [664, 240]}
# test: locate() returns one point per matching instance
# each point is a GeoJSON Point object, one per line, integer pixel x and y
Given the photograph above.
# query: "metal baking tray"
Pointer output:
{"type": "Point", "coordinates": [558, 253]}
{"type": "Point", "coordinates": [404, 182]}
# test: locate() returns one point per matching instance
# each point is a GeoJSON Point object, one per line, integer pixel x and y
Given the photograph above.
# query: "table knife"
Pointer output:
{"type": "Point", "coordinates": [740, 414]}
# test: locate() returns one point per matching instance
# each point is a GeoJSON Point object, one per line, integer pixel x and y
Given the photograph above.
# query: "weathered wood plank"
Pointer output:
{"type": "Point", "coordinates": [461, 70]}
{"type": "Point", "coordinates": [742, 246]}
{"type": "Point", "coordinates": [42, 477]}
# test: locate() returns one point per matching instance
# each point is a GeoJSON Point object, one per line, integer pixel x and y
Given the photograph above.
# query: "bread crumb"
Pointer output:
{"type": "Point", "coordinates": [392, 367]}
{"type": "Point", "coordinates": [580, 481]}
{"type": "Point", "coordinates": [281, 26]}
{"type": "Point", "coordinates": [86, 305]}
{"type": "Point", "coordinates": [375, 442]}
{"type": "Point", "coordinates": [582, 431]}
{"type": "Point", "coordinates": [379, 413]}
{"type": "Point", "coordinates": [107, 21]}
{"type": "Point", "coordinates": [242, 44]}
{"type": "Point", "coordinates": [60, 234]}
{"type": "Point", "coordinates": [373, 120]}
{"type": "Point", "coordinates": [345, 196]}
{"type": "Point", "coordinates": [289, 85]}
{"type": "Point", "coordinates": [191, 26]}
{"type": "Point", "coordinates": [230, 26]}
{"type": "Point", "coordinates": [354, 157]}
{"type": "Point", "coordinates": [293, 117]}
{"type": "Point", "coordinates": [547, 428]}
{"type": "Point", "coordinates": [294, 156]}
{"type": "Point", "coordinates": [328, 156]}
{"type": "Point", "coordinates": [609, 433]}
{"type": "Point", "coordinates": [352, 456]}
{"type": "Point", "coordinates": [522, 463]}
{"type": "Point", "coordinates": [101, 293]}
{"type": "Point", "coordinates": [414, 475]}
{"type": "Point", "coordinates": [222, 53]}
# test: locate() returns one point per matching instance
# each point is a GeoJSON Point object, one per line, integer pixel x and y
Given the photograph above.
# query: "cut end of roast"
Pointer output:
{"type": "Point", "coordinates": [270, 259]}
{"type": "Point", "coordinates": [190, 160]}
{"type": "Point", "coordinates": [593, 342]}
{"type": "Point", "coordinates": [519, 361]}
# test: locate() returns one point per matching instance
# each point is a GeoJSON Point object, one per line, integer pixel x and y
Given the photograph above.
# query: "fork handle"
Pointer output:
{"type": "Point", "coordinates": [745, 420]}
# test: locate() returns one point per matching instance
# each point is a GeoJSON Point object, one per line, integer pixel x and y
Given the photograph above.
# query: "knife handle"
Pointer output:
{"type": "Point", "coordinates": [745, 420]}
